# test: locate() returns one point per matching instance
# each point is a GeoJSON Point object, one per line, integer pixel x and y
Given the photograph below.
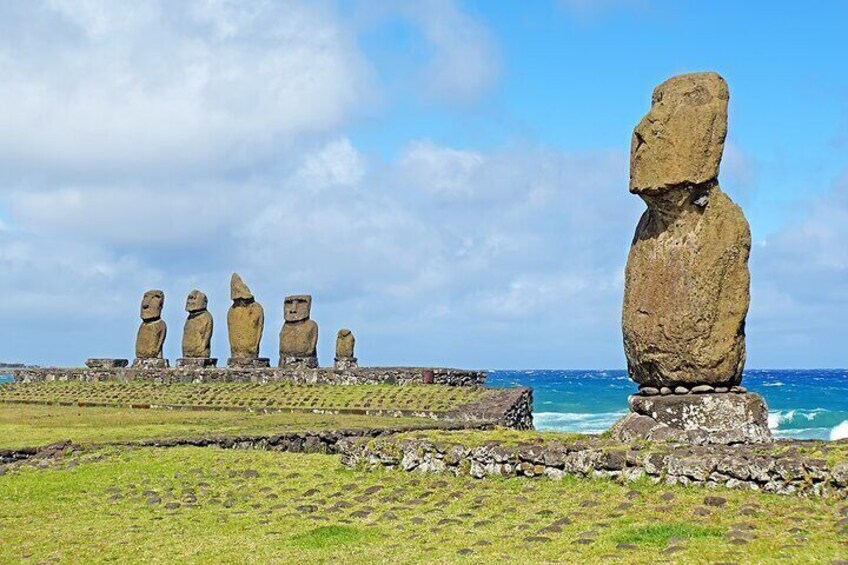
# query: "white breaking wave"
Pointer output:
{"type": "Point", "coordinates": [778, 383]}
{"type": "Point", "coordinates": [778, 417]}
{"type": "Point", "coordinates": [576, 421]}
{"type": "Point", "coordinates": [840, 431]}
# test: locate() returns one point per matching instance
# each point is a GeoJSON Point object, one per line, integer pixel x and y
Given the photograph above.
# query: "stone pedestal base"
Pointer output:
{"type": "Point", "coordinates": [249, 362]}
{"type": "Point", "coordinates": [199, 362]}
{"type": "Point", "coordinates": [150, 364]}
{"type": "Point", "coordinates": [106, 363]}
{"type": "Point", "coordinates": [293, 362]}
{"type": "Point", "coordinates": [696, 418]}
{"type": "Point", "coordinates": [345, 363]}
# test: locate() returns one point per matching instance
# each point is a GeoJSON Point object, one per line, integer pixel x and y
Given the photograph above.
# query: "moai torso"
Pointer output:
{"type": "Point", "coordinates": [150, 338]}
{"type": "Point", "coordinates": [197, 335]}
{"type": "Point", "coordinates": [687, 282]}
{"type": "Point", "coordinates": [245, 323]}
{"type": "Point", "coordinates": [299, 339]}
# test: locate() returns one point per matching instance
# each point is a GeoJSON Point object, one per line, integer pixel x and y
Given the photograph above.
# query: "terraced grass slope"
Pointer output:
{"type": "Point", "coordinates": [407, 400]}
{"type": "Point", "coordinates": [190, 505]}
{"type": "Point", "coordinates": [25, 425]}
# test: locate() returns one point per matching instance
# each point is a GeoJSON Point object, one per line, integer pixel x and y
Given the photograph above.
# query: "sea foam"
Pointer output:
{"type": "Point", "coordinates": [840, 431]}
{"type": "Point", "coordinates": [576, 421]}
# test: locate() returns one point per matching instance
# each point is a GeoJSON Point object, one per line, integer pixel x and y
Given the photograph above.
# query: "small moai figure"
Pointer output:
{"type": "Point", "coordinates": [345, 343]}
{"type": "Point", "coordinates": [299, 336]}
{"type": "Point", "coordinates": [245, 322]}
{"type": "Point", "coordinates": [197, 333]}
{"type": "Point", "coordinates": [151, 333]}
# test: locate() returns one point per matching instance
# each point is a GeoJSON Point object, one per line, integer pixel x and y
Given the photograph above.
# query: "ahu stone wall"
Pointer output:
{"type": "Point", "coordinates": [360, 375]}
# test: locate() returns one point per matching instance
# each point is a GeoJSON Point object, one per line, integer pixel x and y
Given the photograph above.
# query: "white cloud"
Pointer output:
{"type": "Point", "coordinates": [133, 214]}
{"type": "Point", "coordinates": [799, 295]}
{"type": "Point", "coordinates": [134, 86]}
{"type": "Point", "coordinates": [338, 163]}
{"type": "Point", "coordinates": [465, 61]}
{"type": "Point", "coordinates": [441, 171]}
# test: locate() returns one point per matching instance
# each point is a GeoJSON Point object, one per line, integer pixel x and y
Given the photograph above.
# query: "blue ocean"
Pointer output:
{"type": "Point", "coordinates": [803, 404]}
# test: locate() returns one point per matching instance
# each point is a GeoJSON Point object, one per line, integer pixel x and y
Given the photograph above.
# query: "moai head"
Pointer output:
{"type": "Point", "coordinates": [239, 290]}
{"type": "Point", "coordinates": [681, 139]}
{"type": "Point", "coordinates": [151, 305]}
{"type": "Point", "coordinates": [196, 302]}
{"type": "Point", "coordinates": [296, 308]}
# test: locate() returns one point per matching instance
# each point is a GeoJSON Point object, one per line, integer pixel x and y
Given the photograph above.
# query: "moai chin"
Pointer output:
{"type": "Point", "coordinates": [687, 282]}
{"type": "Point", "coordinates": [245, 322]}
{"type": "Point", "coordinates": [151, 332]}
{"type": "Point", "coordinates": [345, 343]}
{"type": "Point", "coordinates": [197, 333]}
{"type": "Point", "coordinates": [299, 335]}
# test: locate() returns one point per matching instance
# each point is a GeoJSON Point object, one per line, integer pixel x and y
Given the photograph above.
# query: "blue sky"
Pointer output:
{"type": "Point", "coordinates": [447, 178]}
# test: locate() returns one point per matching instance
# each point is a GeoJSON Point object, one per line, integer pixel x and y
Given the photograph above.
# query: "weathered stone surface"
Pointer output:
{"type": "Point", "coordinates": [249, 362]}
{"type": "Point", "coordinates": [198, 362]}
{"type": "Point", "coordinates": [245, 321]}
{"type": "Point", "coordinates": [687, 280]}
{"type": "Point", "coordinates": [103, 363]}
{"type": "Point", "coordinates": [152, 332]}
{"type": "Point", "coordinates": [299, 335]}
{"type": "Point", "coordinates": [197, 333]}
{"type": "Point", "coordinates": [708, 418]}
{"type": "Point", "coordinates": [150, 363]}
{"type": "Point", "coordinates": [345, 344]}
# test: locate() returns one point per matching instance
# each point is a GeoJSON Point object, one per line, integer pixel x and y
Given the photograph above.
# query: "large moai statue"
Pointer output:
{"type": "Point", "coordinates": [245, 322]}
{"type": "Point", "coordinates": [197, 333]}
{"type": "Point", "coordinates": [687, 281]}
{"type": "Point", "coordinates": [151, 333]}
{"type": "Point", "coordinates": [299, 335]}
{"type": "Point", "coordinates": [345, 343]}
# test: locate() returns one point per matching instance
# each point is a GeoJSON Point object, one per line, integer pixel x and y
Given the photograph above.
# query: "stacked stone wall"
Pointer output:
{"type": "Point", "coordinates": [781, 468]}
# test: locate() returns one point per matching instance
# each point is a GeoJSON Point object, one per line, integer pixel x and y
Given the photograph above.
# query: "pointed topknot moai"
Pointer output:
{"type": "Point", "coordinates": [687, 283]}
{"type": "Point", "coordinates": [197, 333]}
{"type": "Point", "coordinates": [245, 322]}
{"type": "Point", "coordinates": [151, 332]}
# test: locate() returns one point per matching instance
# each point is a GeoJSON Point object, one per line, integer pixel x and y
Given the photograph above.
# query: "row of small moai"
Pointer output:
{"type": "Point", "coordinates": [245, 325]}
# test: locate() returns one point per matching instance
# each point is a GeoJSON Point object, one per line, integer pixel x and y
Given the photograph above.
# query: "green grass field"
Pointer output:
{"type": "Point", "coordinates": [207, 505]}
{"type": "Point", "coordinates": [23, 425]}
{"type": "Point", "coordinates": [255, 396]}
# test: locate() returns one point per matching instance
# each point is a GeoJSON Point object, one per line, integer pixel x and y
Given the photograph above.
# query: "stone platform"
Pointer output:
{"type": "Point", "coordinates": [360, 375]}
{"type": "Point", "coordinates": [711, 418]}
